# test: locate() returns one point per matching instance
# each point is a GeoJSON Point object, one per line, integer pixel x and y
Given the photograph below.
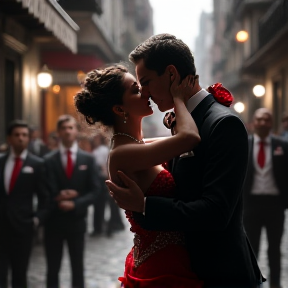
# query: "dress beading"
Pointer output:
{"type": "Point", "coordinates": [158, 258]}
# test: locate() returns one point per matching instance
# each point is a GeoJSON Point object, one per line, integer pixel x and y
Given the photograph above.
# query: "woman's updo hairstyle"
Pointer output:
{"type": "Point", "coordinates": [102, 89]}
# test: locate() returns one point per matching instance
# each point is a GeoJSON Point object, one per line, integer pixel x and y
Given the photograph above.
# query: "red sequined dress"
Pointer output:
{"type": "Point", "coordinates": [158, 258]}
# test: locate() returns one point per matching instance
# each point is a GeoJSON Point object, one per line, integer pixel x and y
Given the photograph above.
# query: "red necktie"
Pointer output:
{"type": "Point", "coordinates": [16, 170]}
{"type": "Point", "coordinates": [261, 154]}
{"type": "Point", "coordinates": [69, 166]}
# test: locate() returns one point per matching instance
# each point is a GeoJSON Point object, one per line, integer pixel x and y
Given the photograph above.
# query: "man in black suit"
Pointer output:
{"type": "Point", "coordinates": [266, 190]}
{"type": "Point", "coordinates": [74, 184]}
{"type": "Point", "coordinates": [209, 180]}
{"type": "Point", "coordinates": [22, 176]}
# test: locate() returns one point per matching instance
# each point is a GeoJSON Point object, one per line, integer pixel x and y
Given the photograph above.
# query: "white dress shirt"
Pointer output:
{"type": "Point", "coordinates": [264, 182]}
{"type": "Point", "coordinates": [9, 166]}
{"type": "Point", "coordinates": [196, 99]}
{"type": "Point", "coordinates": [63, 153]}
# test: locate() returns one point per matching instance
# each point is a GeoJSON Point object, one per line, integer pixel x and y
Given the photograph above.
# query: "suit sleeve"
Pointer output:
{"type": "Point", "coordinates": [224, 173]}
{"type": "Point", "coordinates": [42, 192]}
{"type": "Point", "coordinates": [93, 188]}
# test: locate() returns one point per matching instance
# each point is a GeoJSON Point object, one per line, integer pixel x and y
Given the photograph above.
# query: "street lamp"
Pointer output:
{"type": "Point", "coordinates": [44, 77]}
{"type": "Point", "coordinates": [242, 36]}
{"type": "Point", "coordinates": [239, 107]}
{"type": "Point", "coordinates": [259, 90]}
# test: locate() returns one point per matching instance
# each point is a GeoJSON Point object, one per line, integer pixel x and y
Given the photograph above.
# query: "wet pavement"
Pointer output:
{"type": "Point", "coordinates": [104, 259]}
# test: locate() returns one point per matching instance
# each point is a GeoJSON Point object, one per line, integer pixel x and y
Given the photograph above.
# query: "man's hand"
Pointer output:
{"type": "Point", "coordinates": [66, 205]}
{"type": "Point", "coordinates": [130, 198]}
{"type": "Point", "coordinates": [66, 194]}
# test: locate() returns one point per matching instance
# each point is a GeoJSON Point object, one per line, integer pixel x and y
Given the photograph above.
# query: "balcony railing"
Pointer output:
{"type": "Point", "coordinates": [273, 22]}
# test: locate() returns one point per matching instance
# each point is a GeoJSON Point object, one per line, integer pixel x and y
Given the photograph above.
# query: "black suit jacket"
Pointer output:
{"type": "Point", "coordinates": [208, 206]}
{"type": "Point", "coordinates": [279, 152]}
{"type": "Point", "coordinates": [16, 209]}
{"type": "Point", "coordinates": [85, 180]}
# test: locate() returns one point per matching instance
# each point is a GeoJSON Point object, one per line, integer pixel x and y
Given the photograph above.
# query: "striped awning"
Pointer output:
{"type": "Point", "coordinates": [55, 19]}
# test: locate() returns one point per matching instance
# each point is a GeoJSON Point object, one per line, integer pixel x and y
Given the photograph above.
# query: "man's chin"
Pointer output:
{"type": "Point", "coordinates": [164, 108]}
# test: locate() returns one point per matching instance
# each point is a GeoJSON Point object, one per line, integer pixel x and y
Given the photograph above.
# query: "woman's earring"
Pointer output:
{"type": "Point", "coordinates": [125, 118]}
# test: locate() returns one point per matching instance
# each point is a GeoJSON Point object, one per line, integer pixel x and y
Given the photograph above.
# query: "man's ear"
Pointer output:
{"type": "Point", "coordinates": [172, 72]}
{"type": "Point", "coordinates": [118, 110]}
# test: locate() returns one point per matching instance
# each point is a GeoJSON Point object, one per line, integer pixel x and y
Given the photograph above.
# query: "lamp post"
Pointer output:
{"type": "Point", "coordinates": [44, 80]}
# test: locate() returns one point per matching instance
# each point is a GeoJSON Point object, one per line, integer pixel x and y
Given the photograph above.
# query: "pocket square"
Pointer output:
{"type": "Point", "coordinates": [27, 169]}
{"type": "Point", "coordinates": [278, 151]}
{"type": "Point", "coordinates": [187, 154]}
{"type": "Point", "coordinates": [82, 167]}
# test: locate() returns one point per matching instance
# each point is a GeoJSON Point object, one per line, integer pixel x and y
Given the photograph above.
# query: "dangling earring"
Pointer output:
{"type": "Point", "coordinates": [125, 118]}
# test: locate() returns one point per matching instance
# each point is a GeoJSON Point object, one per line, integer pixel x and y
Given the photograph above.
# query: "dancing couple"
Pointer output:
{"type": "Point", "coordinates": [187, 217]}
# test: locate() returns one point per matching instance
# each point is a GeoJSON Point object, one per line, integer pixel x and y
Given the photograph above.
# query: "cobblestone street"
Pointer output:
{"type": "Point", "coordinates": [105, 258]}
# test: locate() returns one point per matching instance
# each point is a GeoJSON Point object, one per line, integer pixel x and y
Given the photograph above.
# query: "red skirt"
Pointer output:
{"type": "Point", "coordinates": [168, 268]}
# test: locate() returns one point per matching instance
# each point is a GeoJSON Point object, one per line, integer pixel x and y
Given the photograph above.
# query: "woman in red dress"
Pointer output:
{"type": "Point", "coordinates": [112, 97]}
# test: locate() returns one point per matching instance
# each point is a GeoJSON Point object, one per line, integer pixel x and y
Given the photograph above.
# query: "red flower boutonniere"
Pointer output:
{"type": "Point", "coordinates": [221, 94]}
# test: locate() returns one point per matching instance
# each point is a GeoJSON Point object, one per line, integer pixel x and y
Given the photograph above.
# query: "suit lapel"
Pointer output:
{"type": "Point", "coordinates": [274, 146]}
{"type": "Point", "coordinates": [199, 115]}
{"type": "Point", "coordinates": [76, 164]}
{"type": "Point", "coordinates": [200, 112]}
{"type": "Point", "coordinates": [59, 164]}
{"type": "Point", "coordinates": [20, 175]}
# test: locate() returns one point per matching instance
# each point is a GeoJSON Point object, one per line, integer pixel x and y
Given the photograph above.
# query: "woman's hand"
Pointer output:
{"type": "Point", "coordinates": [183, 90]}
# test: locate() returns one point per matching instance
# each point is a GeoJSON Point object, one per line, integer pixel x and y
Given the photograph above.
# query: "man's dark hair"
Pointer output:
{"type": "Point", "coordinates": [16, 124]}
{"type": "Point", "coordinates": [162, 50]}
{"type": "Point", "coordinates": [65, 118]}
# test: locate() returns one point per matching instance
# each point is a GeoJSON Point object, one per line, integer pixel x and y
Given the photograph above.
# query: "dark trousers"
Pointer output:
{"type": "Point", "coordinates": [266, 211]}
{"type": "Point", "coordinates": [54, 242]}
{"type": "Point", "coordinates": [99, 207]}
{"type": "Point", "coordinates": [115, 222]}
{"type": "Point", "coordinates": [15, 251]}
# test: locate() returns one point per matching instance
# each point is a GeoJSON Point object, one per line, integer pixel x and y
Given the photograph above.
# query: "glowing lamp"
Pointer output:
{"type": "Point", "coordinates": [239, 107]}
{"type": "Point", "coordinates": [259, 90]}
{"type": "Point", "coordinates": [44, 78]}
{"type": "Point", "coordinates": [242, 36]}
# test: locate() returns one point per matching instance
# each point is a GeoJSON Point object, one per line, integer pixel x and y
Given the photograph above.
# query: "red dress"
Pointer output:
{"type": "Point", "coordinates": [158, 258]}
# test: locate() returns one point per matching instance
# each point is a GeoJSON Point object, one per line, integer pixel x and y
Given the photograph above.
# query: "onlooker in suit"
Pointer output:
{"type": "Point", "coordinates": [36, 145]}
{"type": "Point", "coordinates": [266, 190]}
{"type": "Point", "coordinates": [74, 185]}
{"type": "Point", "coordinates": [22, 176]}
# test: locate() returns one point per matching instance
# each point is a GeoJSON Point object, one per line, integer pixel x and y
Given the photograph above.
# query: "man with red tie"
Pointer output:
{"type": "Point", "coordinates": [74, 184]}
{"type": "Point", "coordinates": [22, 176]}
{"type": "Point", "coordinates": [266, 190]}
